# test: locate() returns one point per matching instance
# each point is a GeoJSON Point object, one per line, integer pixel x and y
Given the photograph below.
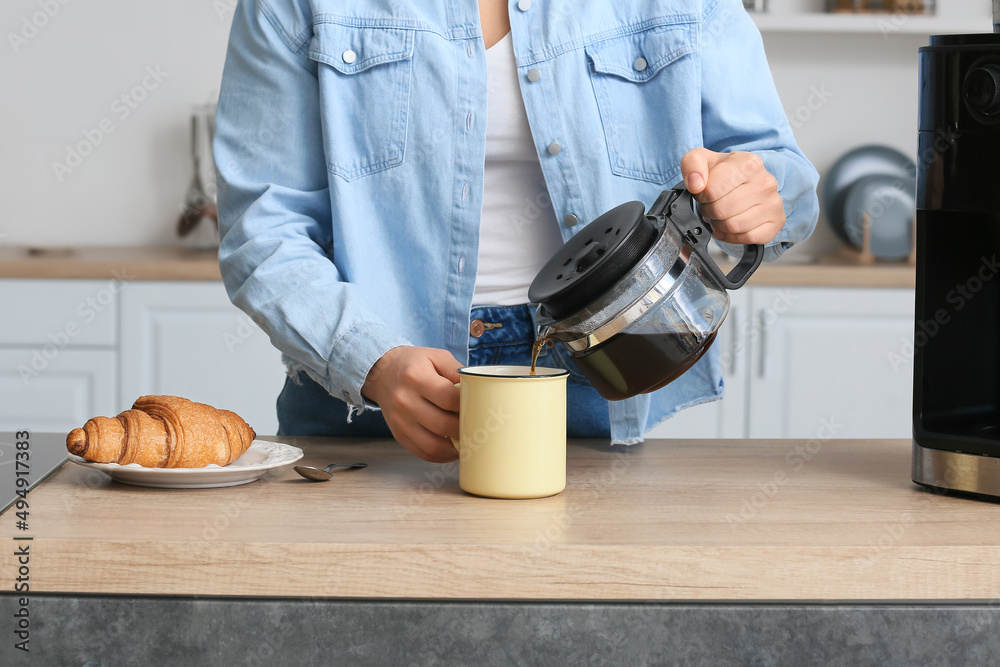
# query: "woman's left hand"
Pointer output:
{"type": "Point", "coordinates": [736, 193]}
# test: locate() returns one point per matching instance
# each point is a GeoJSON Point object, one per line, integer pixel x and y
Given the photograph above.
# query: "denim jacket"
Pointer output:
{"type": "Point", "coordinates": [350, 140]}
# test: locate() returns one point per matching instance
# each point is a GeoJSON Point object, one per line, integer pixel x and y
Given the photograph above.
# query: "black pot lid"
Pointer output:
{"type": "Point", "coordinates": [594, 260]}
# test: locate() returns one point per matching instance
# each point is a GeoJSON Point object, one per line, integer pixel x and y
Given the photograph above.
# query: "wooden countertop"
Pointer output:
{"type": "Point", "coordinates": [766, 520]}
{"type": "Point", "coordinates": [130, 263]}
{"type": "Point", "coordinates": [176, 263]}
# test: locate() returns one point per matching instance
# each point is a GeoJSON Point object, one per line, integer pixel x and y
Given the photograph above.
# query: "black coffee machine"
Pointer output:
{"type": "Point", "coordinates": [956, 383]}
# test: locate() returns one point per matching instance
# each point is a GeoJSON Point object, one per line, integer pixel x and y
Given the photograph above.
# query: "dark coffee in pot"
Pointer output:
{"type": "Point", "coordinates": [636, 363]}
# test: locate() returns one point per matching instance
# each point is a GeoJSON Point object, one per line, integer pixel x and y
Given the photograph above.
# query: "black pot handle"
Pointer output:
{"type": "Point", "coordinates": [678, 207]}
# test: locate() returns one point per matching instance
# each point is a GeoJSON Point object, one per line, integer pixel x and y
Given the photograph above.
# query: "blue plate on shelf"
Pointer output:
{"type": "Point", "coordinates": [857, 163]}
{"type": "Point", "coordinates": [890, 203]}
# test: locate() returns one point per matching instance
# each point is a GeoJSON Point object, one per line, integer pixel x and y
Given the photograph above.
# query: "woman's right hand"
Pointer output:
{"type": "Point", "coordinates": [415, 388]}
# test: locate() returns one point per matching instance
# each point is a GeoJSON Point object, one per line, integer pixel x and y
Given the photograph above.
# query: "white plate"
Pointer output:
{"type": "Point", "coordinates": [261, 456]}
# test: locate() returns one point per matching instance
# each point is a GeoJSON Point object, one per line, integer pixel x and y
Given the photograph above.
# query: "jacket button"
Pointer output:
{"type": "Point", "coordinates": [524, 5]}
{"type": "Point", "coordinates": [555, 148]}
{"type": "Point", "coordinates": [571, 220]}
{"type": "Point", "coordinates": [477, 328]}
{"type": "Point", "coordinates": [534, 75]}
{"type": "Point", "coordinates": [640, 64]}
{"type": "Point", "coordinates": [349, 56]}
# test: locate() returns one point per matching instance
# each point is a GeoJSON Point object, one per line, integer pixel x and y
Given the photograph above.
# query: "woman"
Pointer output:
{"type": "Point", "coordinates": [392, 174]}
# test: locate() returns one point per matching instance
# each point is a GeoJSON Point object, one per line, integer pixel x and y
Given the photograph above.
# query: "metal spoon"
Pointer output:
{"type": "Point", "coordinates": [324, 474]}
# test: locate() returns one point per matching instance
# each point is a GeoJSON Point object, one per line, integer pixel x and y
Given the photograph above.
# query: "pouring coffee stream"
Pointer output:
{"type": "Point", "coordinates": [635, 297]}
{"type": "Point", "coordinates": [537, 347]}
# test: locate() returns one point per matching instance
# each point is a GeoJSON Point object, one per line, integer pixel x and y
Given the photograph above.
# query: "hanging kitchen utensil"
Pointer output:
{"type": "Point", "coordinates": [200, 201]}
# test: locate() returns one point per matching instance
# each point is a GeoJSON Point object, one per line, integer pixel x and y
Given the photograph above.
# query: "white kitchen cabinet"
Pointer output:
{"type": "Point", "coordinates": [830, 362]}
{"type": "Point", "coordinates": [187, 339]}
{"type": "Point", "coordinates": [58, 357]}
{"type": "Point", "coordinates": [73, 386]}
{"type": "Point", "coordinates": [797, 362]}
{"type": "Point", "coordinates": [725, 418]}
{"type": "Point", "coordinates": [59, 313]}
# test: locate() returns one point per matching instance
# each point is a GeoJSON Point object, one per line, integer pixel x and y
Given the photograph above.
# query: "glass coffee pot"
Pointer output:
{"type": "Point", "coordinates": [635, 297]}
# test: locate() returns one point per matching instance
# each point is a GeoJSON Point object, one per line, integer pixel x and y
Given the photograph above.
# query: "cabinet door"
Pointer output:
{"type": "Point", "coordinates": [56, 394]}
{"type": "Point", "coordinates": [831, 362]}
{"type": "Point", "coordinates": [187, 339]}
{"type": "Point", "coordinates": [725, 418]}
{"type": "Point", "coordinates": [55, 314]}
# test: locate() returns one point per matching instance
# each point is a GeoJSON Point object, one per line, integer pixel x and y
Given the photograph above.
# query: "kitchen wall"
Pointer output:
{"type": "Point", "coordinates": [97, 96]}
{"type": "Point", "coordinates": [845, 90]}
{"type": "Point", "coordinates": [115, 81]}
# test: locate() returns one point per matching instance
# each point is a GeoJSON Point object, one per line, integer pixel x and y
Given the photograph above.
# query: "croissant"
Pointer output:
{"type": "Point", "coordinates": [164, 432]}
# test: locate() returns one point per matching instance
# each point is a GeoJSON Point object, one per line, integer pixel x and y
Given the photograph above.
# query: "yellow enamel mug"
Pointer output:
{"type": "Point", "coordinates": [512, 431]}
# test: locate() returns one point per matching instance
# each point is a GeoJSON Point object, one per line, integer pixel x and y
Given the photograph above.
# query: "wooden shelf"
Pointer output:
{"type": "Point", "coordinates": [884, 25]}
{"type": "Point", "coordinates": [810, 16]}
{"type": "Point", "coordinates": [124, 263]}
{"type": "Point", "coordinates": [176, 263]}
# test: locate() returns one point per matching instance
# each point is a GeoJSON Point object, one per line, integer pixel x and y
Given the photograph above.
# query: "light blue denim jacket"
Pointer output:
{"type": "Point", "coordinates": [350, 140]}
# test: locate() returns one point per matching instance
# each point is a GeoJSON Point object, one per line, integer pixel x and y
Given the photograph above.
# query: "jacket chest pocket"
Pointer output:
{"type": "Point", "coordinates": [364, 87]}
{"type": "Point", "coordinates": [648, 91]}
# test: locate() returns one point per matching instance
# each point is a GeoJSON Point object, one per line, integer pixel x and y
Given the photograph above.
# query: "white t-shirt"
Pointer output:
{"type": "Point", "coordinates": [519, 232]}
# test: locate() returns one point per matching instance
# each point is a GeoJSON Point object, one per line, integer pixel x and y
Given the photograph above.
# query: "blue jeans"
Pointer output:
{"type": "Point", "coordinates": [305, 408]}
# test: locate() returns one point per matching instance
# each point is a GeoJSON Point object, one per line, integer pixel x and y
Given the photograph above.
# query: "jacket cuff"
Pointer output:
{"type": "Point", "coordinates": [354, 354]}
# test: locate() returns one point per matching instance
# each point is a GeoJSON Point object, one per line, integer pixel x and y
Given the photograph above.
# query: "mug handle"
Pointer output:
{"type": "Point", "coordinates": [454, 441]}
